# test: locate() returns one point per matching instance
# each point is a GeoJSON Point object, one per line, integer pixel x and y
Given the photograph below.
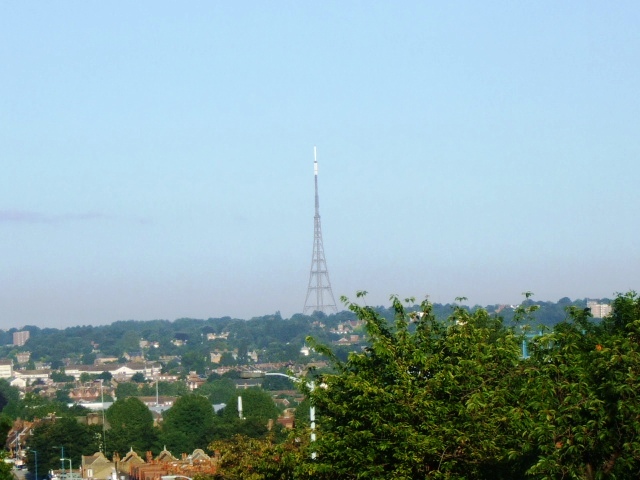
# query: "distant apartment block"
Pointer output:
{"type": "Point", "coordinates": [599, 310]}
{"type": "Point", "coordinates": [20, 338]}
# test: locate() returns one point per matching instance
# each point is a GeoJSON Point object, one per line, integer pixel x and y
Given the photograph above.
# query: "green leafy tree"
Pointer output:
{"type": "Point", "coordinates": [176, 389]}
{"type": "Point", "coordinates": [106, 376]}
{"type": "Point", "coordinates": [227, 359]}
{"type": "Point", "coordinates": [5, 427]}
{"type": "Point", "coordinates": [88, 358]}
{"type": "Point", "coordinates": [246, 458]}
{"type": "Point", "coordinates": [276, 382]}
{"type": "Point", "coordinates": [5, 468]}
{"type": "Point", "coordinates": [78, 440]}
{"type": "Point", "coordinates": [131, 424]}
{"type": "Point", "coordinates": [194, 361]}
{"type": "Point", "coordinates": [9, 399]}
{"type": "Point", "coordinates": [426, 400]}
{"type": "Point", "coordinates": [256, 404]}
{"type": "Point", "coordinates": [188, 424]}
{"type": "Point", "coordinates": [62, 395]}
{"type": "Point", "coordinates": [583, 388]}
{"type": "Point", "coordinates": [34, 406]}
{"type": "Point", "coordinates": [258, 412]}
{"type": "Point", "coordinates": [138, 377]}
{"type": "Point", "coordinates": [127, 389]}
{"type": "Point", "coordinates": [61, 376]}
{"type": "Point", "coordinates": [218, 391]}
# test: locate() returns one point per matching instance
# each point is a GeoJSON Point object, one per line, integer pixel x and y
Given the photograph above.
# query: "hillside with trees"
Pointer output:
{"type": "Point", "coordinates": [271, 337]}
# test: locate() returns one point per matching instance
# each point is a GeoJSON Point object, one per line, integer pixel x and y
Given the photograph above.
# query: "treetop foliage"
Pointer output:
{"type": "Point", "coordinates": [455, 399]}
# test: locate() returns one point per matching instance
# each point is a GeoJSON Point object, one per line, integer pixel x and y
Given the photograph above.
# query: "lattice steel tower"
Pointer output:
{"type": "Point", "coordinates": [319, 294]}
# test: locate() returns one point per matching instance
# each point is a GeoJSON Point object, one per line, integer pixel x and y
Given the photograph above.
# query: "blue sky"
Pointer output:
{"type": "Point", "coordinates": [157, 157]}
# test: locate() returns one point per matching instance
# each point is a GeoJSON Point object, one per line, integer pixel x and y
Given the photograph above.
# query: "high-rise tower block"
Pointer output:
{"type": "Point", "coordinates": [319, 294]}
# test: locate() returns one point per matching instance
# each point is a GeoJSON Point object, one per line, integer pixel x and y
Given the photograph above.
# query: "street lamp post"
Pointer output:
{"type": "Point", "coordinates": [312, 409]}
{"type": "Point", "coordinates": [61, 457]}
{"type": "Point", "coordinates": [104, 428]}
{"type": "Point", "coordinates": [35, 453]}
{"type": "Point", "coordinates": [70, 466]}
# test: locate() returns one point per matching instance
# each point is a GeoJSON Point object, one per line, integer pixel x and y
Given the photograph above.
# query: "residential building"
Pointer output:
{"type": "Point", "coordinates": [97, 467]}
{"type": "Point", "coordinates": [6, 368]}
{"type": "Point", "coordinates": [119, 372]}
{"type": "Point", "coordinates": [33, 376]}
{"type": "Point", "coordinates": [23, 357]}
{"type": "Point", "coordinates": [599, 310]}
{"type": "Point", "coordinates": [20, 338]}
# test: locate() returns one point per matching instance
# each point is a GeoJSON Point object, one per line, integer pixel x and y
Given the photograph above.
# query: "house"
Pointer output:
{"type": "Point", "coordinates": [136, 357]}
{"type": "Point", "coordinates": [19, 383]}
{"type": "Point", "coordinates": [102, 359]}
{"type": "Point", "coordinates": [214, 336]}
{"type": "Point", "coordinates": [287, 419]}
{"type": "Point", "coordinates": [86, 393]}
{"type": "Point", "coordinates": [23, 357]}
{"type": "Point", "coordinates": [165, 401]}
{"type": "Point", "coordinates": [130, 460]}
{"type": "Point", "coordinates": [194, 381]}
{"type": "Point", "coordinates": [97, 467]}
{"type": "Point", "coordinates": [196, 464]}
{"type": "Point", "coordinates": [18, 434]}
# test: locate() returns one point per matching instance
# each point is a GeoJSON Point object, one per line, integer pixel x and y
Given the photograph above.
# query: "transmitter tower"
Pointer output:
{"type": "Point", "coordinates": [319, 294]}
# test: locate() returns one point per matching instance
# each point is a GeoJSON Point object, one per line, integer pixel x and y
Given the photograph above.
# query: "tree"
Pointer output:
{"type": "Point", "coordinates": [194, 361]}
{"type": "Point", "coordinates": [5, 427]}
{"type": "Point", "coordinates": [5, 468]}
{"type": "Point", "coordinates": [127, 389]}
{"type": "Point", "coordinates": [258, 412]}
{"type": "Point", "coordinates": [88, 358]}
{"type": "Point", "coordinates": [276, 382]}
{"type": "Point", "coordinates": [138, 377]}
{"type": "Point", "coordinates": [9, 399]}
{"type": "Point", "coordinates": [106, 376]}
{"type": "Point", "coordinates": [256, 404]}
{"type": "Point", "coordinates": [61, 376]}
{"type": "Point", "coordinates": [218, 391]}
{"type": "Point", "coordinates": [583, 388]}
{"type": "Point", "coordinates": [78, 440]}
{"type": "Point", "coordinates": [245, 458]}
{"type": "Point", "coordinates": [131, 424]}
{"type": "Point", "coordinates": [426, 399]}
{"type": "Point", "coordinates": [188, 424]}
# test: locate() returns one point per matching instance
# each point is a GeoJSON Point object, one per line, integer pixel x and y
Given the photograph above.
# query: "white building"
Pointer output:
{"type": "Point", "coordinates": [6, 368]}
{"type": "Point", "coordinates": [599, 310]}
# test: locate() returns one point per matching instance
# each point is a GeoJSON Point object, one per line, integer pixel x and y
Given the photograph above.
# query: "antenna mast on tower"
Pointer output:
{"type": "Point", "coordinates": [319, 294]}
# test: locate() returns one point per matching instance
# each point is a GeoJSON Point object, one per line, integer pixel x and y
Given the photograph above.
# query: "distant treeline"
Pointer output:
{"type": "Point", "coordinates": [276, 339]}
